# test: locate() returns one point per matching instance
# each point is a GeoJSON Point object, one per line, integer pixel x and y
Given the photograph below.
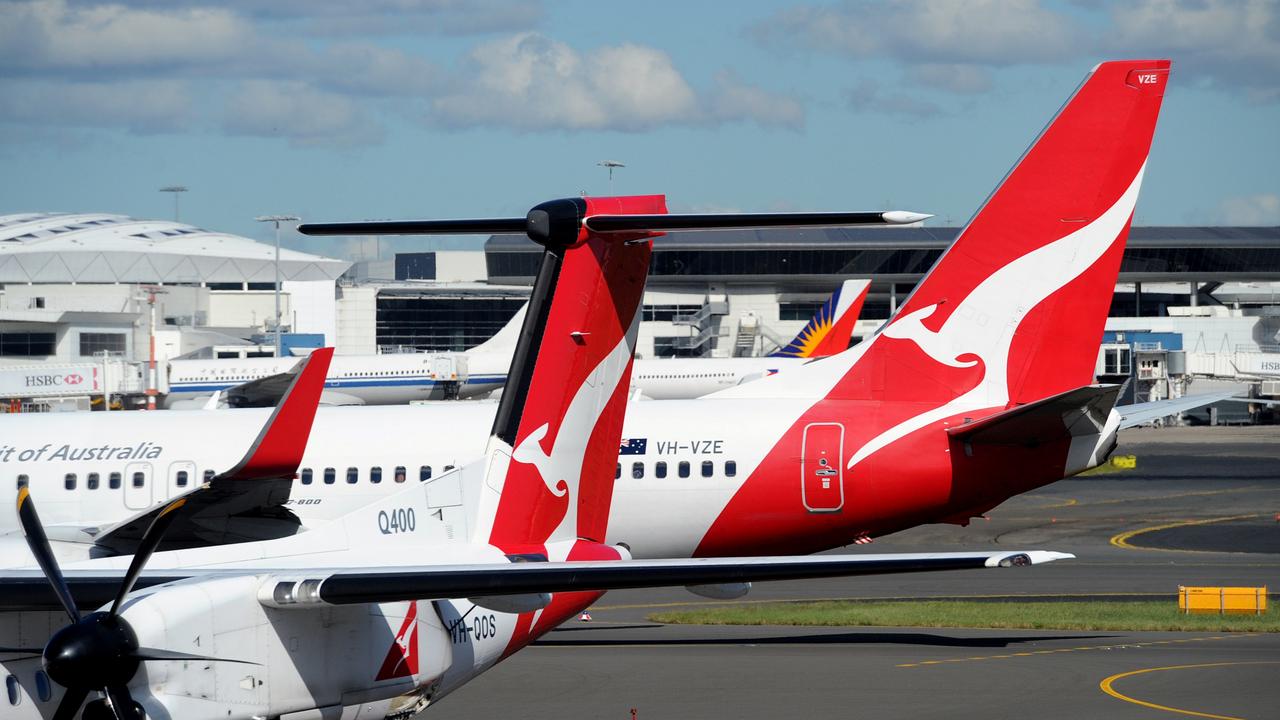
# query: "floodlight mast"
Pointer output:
{"type": "Point", "coordinates": [610, 164]}
{"type": "Point", "coordinates": [277, 219]}
{"type": "Point", "coordinates": [176, 190]}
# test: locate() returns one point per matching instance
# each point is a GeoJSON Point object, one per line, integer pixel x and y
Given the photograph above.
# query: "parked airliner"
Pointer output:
{"type": "Point", "coordinates": [979, 388]}
{"type": "Point", "coordinates": [391, 606]}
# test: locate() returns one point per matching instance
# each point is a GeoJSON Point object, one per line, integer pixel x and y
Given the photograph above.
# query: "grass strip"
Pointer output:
{"type": "Point", "coordinates": [1100, 615]}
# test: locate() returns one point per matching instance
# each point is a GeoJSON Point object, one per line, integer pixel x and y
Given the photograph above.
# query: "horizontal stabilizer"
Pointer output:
{"type": "Point", "coordinates": [1142, 413]}
{"type": "Point", "coordinates": [29, 590]}
{"type": "Point", "coordinates": [1074, 413]}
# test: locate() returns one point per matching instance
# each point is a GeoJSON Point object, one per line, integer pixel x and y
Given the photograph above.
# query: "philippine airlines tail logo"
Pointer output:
{"type": "Point", "coordinates": [402, 658]}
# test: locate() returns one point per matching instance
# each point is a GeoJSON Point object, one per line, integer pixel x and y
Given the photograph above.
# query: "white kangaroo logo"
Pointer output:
{"type": "Point", "coordinates": [984, 323]}
{"type": "Point", "coordinates": [561, 469]}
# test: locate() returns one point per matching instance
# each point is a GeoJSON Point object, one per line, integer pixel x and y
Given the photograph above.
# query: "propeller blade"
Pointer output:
{"type": "Point", "coordinates": [70, 705]}
{"type": "Point", "coordinates": [39, 544]}
{"type": "Point", "coordinates": [156, 654]}
{"type": "Point", "coordinates": [738, 221]}
{"type": "Point", "coordinates": [484, 226]}
{"type": "Point", "coordinates": [122, 703]}
{"type": "Point", "coordinates": [150, 541]}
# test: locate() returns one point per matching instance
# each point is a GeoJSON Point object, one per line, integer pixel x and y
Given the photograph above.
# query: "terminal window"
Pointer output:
{"type": "Point", "coordinates": [27, 344]}
{"type": "Point", "coordinates": [94, 343]}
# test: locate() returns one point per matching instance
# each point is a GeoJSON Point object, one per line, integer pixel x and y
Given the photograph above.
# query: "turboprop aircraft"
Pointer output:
{"type": "Point", "coordinates": [875, 439]}
{"type": "Point", "coordinates": [389, 608]}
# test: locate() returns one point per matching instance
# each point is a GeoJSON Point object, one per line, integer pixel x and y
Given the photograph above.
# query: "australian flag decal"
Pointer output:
{"type": "Point", "coordinates": [634, 446]}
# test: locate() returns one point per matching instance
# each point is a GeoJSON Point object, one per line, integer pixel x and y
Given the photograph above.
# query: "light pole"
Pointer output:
{"type": "Point", "coordinates": [175, 189]}
{"type": "Point", "coordinates": [611, 164]}
{"type": "Point", "coordinates": [277, 219]}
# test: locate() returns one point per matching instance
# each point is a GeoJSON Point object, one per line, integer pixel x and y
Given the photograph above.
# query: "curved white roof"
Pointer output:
{"type": "Point", "coordinates": [103, 248]}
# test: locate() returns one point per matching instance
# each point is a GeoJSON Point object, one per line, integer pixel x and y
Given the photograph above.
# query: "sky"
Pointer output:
{"type": "Point", "coordinates": [335, 110]}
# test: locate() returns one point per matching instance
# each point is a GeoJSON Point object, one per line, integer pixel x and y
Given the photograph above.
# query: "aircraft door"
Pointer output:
{"type": "Point", "coordinates": [822, 467]}
{"type": "Point", "coordinates": [138, 484]}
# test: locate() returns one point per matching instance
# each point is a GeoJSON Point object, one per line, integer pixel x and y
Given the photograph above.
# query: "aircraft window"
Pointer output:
{"type": "Point", "coordinates": [113, 481]}
{"type": "Point", "coordinates": [330, 475]}
{"type": "Point", "coordinates": [683, 469]}
{"type": "Point", "coordinates": [375, 474]}
{"type": "Point", "coordinates": [11, 685]}
{"type": "Point", "coordinates": [400, 473]}
{"type": "Point", "coordinates": [91, 481]}
{"type": "Point", "coordinates": [70, 481]}
{"type": "Point", "coordinates": [708, 467]}
{"type": "Point", "coordinates": [447, 468]}
{"type": "Point", "coordinates": [424, 473]}
{"type": "Point", "coordinates": [637, 470]}
{"type": "Point", "coordinates": [660, 469]}
{"type": "Point", "coordinates": [139, 479]}
{"type": "Point", "coordinates": [730, 468]}
{"type": "Point", "coordinates": [23, 481]}
{"type": "Point", "coordinates": [306, 476]}
{"type": "Point", "coordinates": [44, 690]}
{"type": "Point", "coordinates": [181, 478]}
{"type": "Point", "coordinates": [617, 471]}
{"type": "Point", "coordinates": [353, 474]}
{"type": "Point", "coordinates": [209, 475]}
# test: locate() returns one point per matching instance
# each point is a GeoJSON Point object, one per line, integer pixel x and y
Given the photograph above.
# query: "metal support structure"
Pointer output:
{"type": "Point", "coordinates": [277, 219]}
{"type": "Point", "coordinates": [176, 190]}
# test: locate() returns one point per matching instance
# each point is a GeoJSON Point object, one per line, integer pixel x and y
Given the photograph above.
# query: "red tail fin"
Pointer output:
{"type": "Point", "coordinates": [562, 423]}
{"type": "Point", "coordinates": [830, 330]}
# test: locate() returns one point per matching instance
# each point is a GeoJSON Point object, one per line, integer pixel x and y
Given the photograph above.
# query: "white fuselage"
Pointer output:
{"type": "Point", "coordinates": [354, 456]}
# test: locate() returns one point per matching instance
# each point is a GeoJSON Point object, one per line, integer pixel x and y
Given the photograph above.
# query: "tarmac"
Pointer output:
{"type": "Point", "coordinates": [1202, 507]}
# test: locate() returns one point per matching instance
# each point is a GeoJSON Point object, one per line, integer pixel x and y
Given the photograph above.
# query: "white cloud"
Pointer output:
{"type": "Point", "coordinates": [1229, 43]}
{"type": "Point", "coordinates": [52, 36]}
{"type": "Point", "coordinates": [144, 106]}
{"type": "Point", "coordinates": [1260, 209]}
{"type": "Point", "coordinates": [532, 82]}
{"type": "Point", "coordinates": [298, 112]}
{"type": "Point", "coordinates": [956, 78]}
{"type": "Point", "coordinates": [867, 96]}
{"type": "Point", "coordinates": [979, 32]}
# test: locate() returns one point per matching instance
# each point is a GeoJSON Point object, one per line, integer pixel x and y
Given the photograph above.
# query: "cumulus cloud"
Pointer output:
{"type": "Point", "coordinates": [1260, 209]}
{"type": "Point", "coordinates": [952, 46]}
{"type": "Point", "coordinates": [299, 112]}
{"type": "Point", "coordinates": [142, 106]}
{"type": "Point", "coordinates": [868, 96]}
{"type": "Point", "coordinates": [531, 82]}
{"type": "Point", "coordinates": [383, 17]}
{"type": "Point", "coordinates": [980, 32]}
{"type": "Point", "coordinates": [1233, 44]}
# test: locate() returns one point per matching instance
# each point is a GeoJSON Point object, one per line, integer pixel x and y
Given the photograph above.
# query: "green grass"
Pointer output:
{"type": "Point", "coordinates": [1141, 615]}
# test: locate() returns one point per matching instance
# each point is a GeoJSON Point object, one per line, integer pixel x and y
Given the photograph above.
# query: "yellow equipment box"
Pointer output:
{"type": "Point", "coordinates": [1223, 600]}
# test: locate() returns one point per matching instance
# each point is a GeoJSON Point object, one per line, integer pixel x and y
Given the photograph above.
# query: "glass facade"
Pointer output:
{"type": "Point", "coordinates": [36, 344]}
{"type": "Point", "coordinates": [424, 323]}
{"type": "Point", "coordinates": [93, 343]}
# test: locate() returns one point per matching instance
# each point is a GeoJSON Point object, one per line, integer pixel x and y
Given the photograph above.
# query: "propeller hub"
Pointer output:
{"type": "Point", "coordinates": [99, 651]}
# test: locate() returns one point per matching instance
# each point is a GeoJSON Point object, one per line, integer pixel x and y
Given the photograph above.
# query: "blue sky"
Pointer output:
{"type": "Point", "coordinates": [451, 108]}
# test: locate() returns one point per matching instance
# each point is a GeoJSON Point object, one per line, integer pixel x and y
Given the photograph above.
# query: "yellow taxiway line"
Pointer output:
{"type": "Point", "coordinates": [1106, 687]}
{"type": "Point", "coordinates": [1122, 539]}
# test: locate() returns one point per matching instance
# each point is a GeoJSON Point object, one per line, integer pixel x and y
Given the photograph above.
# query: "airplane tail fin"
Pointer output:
{"type": "Point", "coordinates": [559, 424]}
{"type": "Point", "coordinates": [503, 341]}
{"type": "Point", "coordinates": [830, 330]}
{"type": "Point", "coordinates": [1014, 310]}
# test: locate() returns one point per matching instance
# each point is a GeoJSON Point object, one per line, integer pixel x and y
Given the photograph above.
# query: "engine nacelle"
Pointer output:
{"type": "Point", "coordinates": [722, 591]}
{"type": "Point", "coordinates": [389, 655]}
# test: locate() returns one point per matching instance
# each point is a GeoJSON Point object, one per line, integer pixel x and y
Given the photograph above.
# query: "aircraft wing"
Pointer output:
{"type": "Point", "coordinates": [1142, 413]}
{"type": "Point", "coordinates": [30, 590]}
{"type": "Point", "coordinates": [246, 502]}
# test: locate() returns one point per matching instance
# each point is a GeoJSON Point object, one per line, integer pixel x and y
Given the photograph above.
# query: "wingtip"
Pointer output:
{"type": "Point", "coordinates": [905, 217]}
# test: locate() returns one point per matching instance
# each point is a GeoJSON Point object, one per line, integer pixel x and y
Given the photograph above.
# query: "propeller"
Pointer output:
{"type": "Point", "coordinates": [98, 651]}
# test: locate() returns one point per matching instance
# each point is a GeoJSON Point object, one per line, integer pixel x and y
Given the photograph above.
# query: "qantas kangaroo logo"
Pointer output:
{"type": "Point", "coordinates": [402, 657]}
{"type": "Point", "coordinates": [561, 469]}
{"type": "Point", "coordinates": [984, 323]}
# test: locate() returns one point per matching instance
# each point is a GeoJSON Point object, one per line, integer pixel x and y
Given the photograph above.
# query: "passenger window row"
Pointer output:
{"type": "Point", "coordinates": [400, 474]}
{"type": "Point", "coordinates": [115, 480]}
{"type": "Point", "coordinates": [707, 468]}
